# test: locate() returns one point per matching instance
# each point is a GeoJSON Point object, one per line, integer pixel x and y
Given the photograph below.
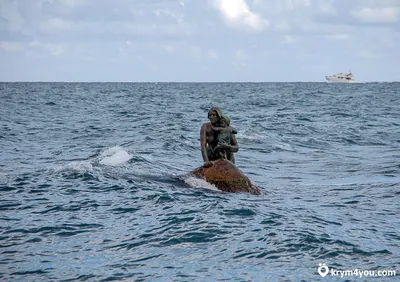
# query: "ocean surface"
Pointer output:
{"type": "Point", "coordinates": [95, 182]}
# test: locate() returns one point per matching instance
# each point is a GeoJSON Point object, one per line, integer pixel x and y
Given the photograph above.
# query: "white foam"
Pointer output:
{"type": "Point", "coordinates": [115, 156]}
{"type": "Point", "coordinates": [284, 146]}
{"type": "Point", "coordinates": [199, 183]}
{"type": "Point", "coordinates": [79, 166]}
{"type": "Point", "coordinates": [251, 136]}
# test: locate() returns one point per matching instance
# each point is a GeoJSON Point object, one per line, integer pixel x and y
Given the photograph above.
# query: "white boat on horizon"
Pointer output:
{"type": "Point", "coordinates": [341, 77]}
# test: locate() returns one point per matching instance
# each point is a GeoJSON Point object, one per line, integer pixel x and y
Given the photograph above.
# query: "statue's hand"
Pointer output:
{"type": "Point", "coordinates": [223, 145]}
{"type": "Point", "coordinates": [208, 164]}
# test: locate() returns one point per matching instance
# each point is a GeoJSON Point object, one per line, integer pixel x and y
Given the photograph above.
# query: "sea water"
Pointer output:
{"type": "Point", "coordinates": [95, 184]}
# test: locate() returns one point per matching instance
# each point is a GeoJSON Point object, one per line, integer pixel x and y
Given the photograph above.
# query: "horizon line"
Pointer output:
{"type": "Point", "coordinates": [54, 81]}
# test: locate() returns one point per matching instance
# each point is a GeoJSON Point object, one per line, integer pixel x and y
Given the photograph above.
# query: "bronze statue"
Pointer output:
{"type": "Point", "coordinates": [218, 143]}
{"type": "Point", "coordinates": [226, 137]}
{"type": "Point", "coordinates": [209, 138]}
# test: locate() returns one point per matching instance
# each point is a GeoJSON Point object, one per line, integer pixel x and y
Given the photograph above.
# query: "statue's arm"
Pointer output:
{"type": "Point", "coordinates": [216, 128]}
{"type": "Point", "coordinates": [234, 144]}
{"type": "Point", "coordinates": [203, 142]}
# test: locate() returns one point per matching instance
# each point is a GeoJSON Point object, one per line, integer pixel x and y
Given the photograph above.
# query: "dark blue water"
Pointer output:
{"type": "Point", "coordinates": [94, 184]}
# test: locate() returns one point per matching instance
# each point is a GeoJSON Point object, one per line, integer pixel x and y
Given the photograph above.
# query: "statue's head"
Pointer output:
{"type": "Point", "coordinates": [214, 115]}
{"type": "Point", "coordinates": [225, 121]}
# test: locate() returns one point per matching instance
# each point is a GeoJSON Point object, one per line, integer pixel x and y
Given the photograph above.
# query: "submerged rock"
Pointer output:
{"type": "Point", "coordinates": [226, 177]}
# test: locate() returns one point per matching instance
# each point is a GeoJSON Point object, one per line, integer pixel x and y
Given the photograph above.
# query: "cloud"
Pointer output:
{"type": "Point", "coordinates": [9, 12]}
{"type": "Point", "coordinates": [327, 7]}
{"type": "Point", "coordinates": [201, 53]}
{"type": "Point", "coordinates": [282, 26]}
{"type": "Point", "coordinates": [289, 39]}
{"type": "Point", "coordinates": [296, 15]}
{"type": "Point", "coordinates": [136, 34]}
{"type": "Point", "coordinates": [241, 57]}
{"type": "Point", "coordinates": [367, 54]}
{"type": "Point", "coordinates": [339, 36]}
{"type": "Point", "coordinates": [11, 46]}
{"type": "Point", "coordinates": [169, 48]}
{"type": "Point", "coordinates": [237, 13]}
{"type": "Point", "coordinates": [377, 15]}
{"type": "Point", "coordinates": [294, 4]}
{"type": "Point", "coordinates": [53, 49]}
{"type": "Point", "coordinates": [213, 55]}
{"type": "Point", "coordinates": [70, 3]}
{"type": "Point", "coordinates": [57, 24]}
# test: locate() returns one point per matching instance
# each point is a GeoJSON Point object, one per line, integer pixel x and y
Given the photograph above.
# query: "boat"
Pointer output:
{"type": "Point", "coordinates": [341, 77]}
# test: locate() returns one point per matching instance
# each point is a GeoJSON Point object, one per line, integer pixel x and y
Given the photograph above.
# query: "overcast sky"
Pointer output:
{"type": "Point", "coordinates": [198, 40]}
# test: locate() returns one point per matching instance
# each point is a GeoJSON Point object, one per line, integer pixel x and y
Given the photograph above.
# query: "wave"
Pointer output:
{"type": "Point", "coordinates": [195, 182]}
{"type": "Point", "coordinates": [115, 156]}
{"type": "Point", "coordinates": [112, 157]}
{"type": "Point", "coordinates": [78, 166]}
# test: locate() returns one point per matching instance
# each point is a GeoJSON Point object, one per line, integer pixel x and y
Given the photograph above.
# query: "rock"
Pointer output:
{"type": "Point", "coordinates": [226, 177]}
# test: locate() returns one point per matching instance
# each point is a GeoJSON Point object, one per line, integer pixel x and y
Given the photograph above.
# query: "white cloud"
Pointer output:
{"type": "Point", "coordinates": [367, 54]}
{"type": "Point", "coordinates": [54, 49]}
{"type": "Point", "coordinates": [10, 12]}
{"type": "Point", "coordinates": [289, 39]}
{"type": "Point", "coordinates": [168, 13]}
{"type": "Point", "coordinates": [196, 52]}
{"type": "Point", "coordinates": [126, 29]}
{"type": "Point", "coordinates": [377, 15]}
{"type": "Point", "coordinates": [294, 4]}
{"type": "Point", "coordinates": [162, 33]}
{"type": "Point", "coordinates": [241, 55]}
{"type": "Point", "coordinates": [137, 12]}
{"type": "Point", "coordinates": [169, 48]}
{"type": "Point", "coordinates": [296, 15]}
{"type": "Point", "coordinates": [241, 58]}
{"type": "Point", "coordinates": [277, 7]}
{"type": "Point", "coordinates": [238, 14]}
{"type": "Point", "coordinates": [57, 24]}
{"type": "Point", "coordinates": [339, 36]}
{"type": "Point", "coordinates": [11, 46]}
{"type": "Point", "coordinates": [213, 55]}
{"type": "Point", "coordinates": [72, 3]}
{"type": "Point", "coordinates": [282, 26]}
{"type": "Point", "coordinates": [201, 53]}
{"type": "Point", "coordinates": [327, 7]}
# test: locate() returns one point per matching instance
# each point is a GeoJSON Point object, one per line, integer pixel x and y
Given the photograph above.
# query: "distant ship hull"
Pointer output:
{"type": "Point", "coordinates": [340, 78]}
{"type": "Point", "coordinates": [334, 79]}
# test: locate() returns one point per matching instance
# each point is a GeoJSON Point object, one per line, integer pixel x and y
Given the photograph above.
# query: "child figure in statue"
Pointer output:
{"type": "Point", "coordinates": [227, 143]}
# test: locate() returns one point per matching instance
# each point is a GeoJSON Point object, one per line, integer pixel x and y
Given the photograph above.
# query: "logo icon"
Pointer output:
{"type": "Point", "coordinates": [323, 269]}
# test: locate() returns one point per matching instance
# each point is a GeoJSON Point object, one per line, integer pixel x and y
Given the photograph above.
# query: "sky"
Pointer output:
{"type": "Point", "coordinates": [198, 40]}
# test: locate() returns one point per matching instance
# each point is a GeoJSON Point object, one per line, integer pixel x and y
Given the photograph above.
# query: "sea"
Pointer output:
{"type": "Point", "coordinates": [95, 183]}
